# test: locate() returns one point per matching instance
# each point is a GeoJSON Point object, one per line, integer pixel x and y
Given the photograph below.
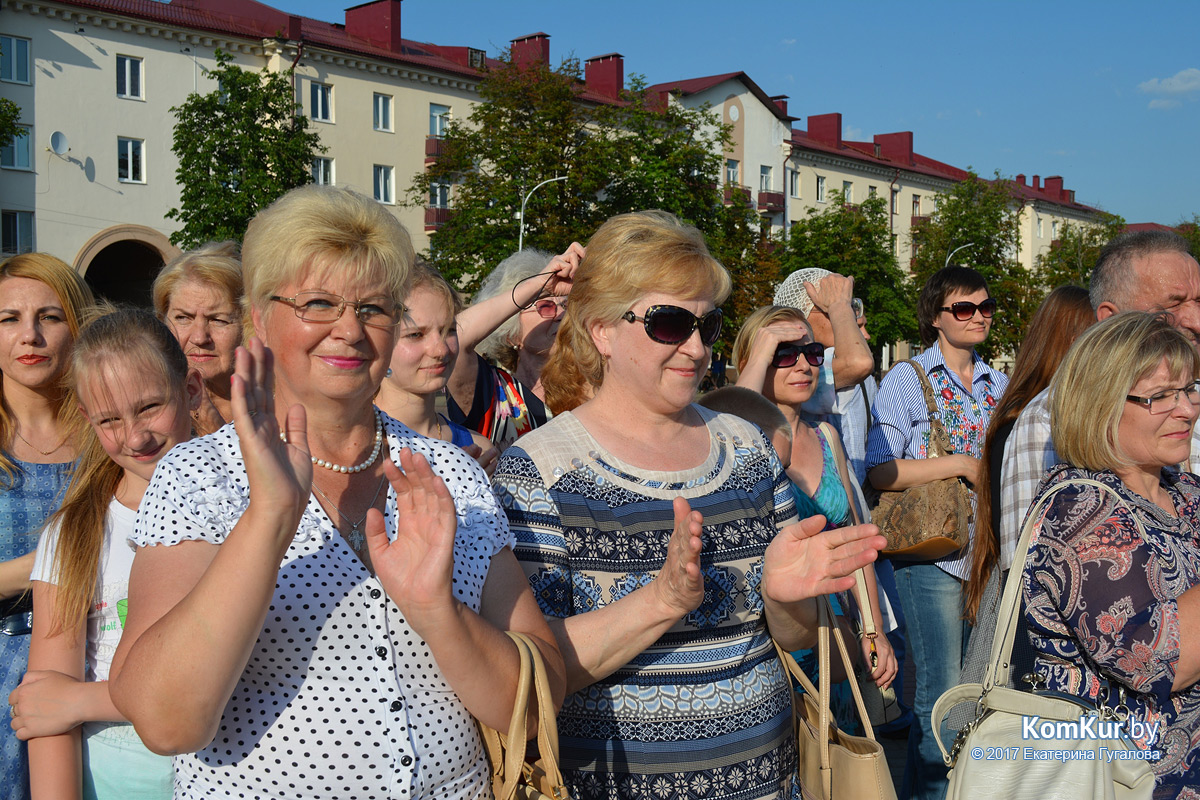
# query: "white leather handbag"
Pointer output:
{"type": "Point", "coordinates": [990, 759]}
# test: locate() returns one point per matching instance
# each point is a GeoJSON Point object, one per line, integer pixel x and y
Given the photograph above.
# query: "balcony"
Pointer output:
{"type": "Point", "coordinates": [919, 220]}
{"type": "Point", "coordinates": [436, 217]}
{"type": "Point", "coordinates": [434, 146]}
{"type": "Point", "coordinates": [770, 202]}
{"type": "Point", "coordinates": [736, 193]}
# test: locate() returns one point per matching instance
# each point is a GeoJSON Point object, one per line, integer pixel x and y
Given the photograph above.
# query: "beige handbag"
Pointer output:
{"type": "Point", "coordinates": [833, 764]}
{"type": "Point", "coordinates": [882, 704]}
{"type": "Point", "coordinates": [512, 776]}
{"type": "Point", "coordinates": [932, 520]}
{"type": "Point", "coordinates": [988, 758]}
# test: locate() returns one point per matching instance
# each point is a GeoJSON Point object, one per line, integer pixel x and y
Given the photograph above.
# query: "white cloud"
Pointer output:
{"type": "Point", "coordinates": [789, 42]}
{"type": "Point", "coordinates": [1185, 81]}
{"type": "Point", "coordinates": [1163, 103]}
{"type": "Point", "coordinates": [852, 133]}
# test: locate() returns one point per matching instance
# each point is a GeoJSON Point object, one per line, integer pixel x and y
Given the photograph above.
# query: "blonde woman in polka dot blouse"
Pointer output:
{"type": "Point", "coordinates": [305, 621]}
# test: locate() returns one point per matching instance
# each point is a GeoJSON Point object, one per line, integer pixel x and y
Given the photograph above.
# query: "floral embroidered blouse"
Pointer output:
{"type": "Point", "coordinates": [900, 420]}
{"type": "Point", "coordinates": [1100, 600]}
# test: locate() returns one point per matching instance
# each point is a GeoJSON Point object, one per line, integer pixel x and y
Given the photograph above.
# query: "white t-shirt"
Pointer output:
{"type": "Point", "coordinates": [106, 616]}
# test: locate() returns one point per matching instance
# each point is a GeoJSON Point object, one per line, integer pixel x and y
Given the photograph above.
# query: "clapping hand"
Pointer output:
{"type": "Point", "coordinates": [804, 561]}
{"type": "Point", "coordinates": [679, 584]}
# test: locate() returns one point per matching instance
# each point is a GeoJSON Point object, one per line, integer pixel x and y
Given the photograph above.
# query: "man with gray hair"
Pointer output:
{"type": "Point", "coordinates": [1136, 271]}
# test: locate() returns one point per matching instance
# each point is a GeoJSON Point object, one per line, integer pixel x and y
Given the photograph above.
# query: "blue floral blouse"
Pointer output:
{"type": "Point", "coordinates": [1100, 601]}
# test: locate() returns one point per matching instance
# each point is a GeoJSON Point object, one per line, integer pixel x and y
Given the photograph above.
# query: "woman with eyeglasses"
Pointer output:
{"type": "Point", "coordinates": [1111, 583]}
{"type": "Point", "coordinates": [661, 539]}
{"type": "Point", "coordinates": [512, 322]}
{"type": "Point", "coordinates": [304, 619]}
{"type": "Point", "coordinates": [776, 355]}
{"type": "Point", "coordinates": [954, 314]}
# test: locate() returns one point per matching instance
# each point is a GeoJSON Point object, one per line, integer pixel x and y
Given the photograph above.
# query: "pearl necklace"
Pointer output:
{"type": "Point", "coordinates": [329, 465]}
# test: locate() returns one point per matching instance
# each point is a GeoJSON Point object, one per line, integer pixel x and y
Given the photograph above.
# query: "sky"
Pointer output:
{"type": "Point", "coordinates": [1105, 94]}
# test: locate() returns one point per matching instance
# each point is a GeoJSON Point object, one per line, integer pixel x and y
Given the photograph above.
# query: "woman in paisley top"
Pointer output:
{"type": "Point", "coordinates": [661, 538]}
{"type": "Point", "coordinates": [1110, 583]}
{"type": "Point", "coordinates": [41, 300]}
{"type": "Point", "coordinates": [954, 314]}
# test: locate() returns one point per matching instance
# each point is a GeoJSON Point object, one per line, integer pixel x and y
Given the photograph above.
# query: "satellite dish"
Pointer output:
{"type": "Point", "coordinates": [59, 143]}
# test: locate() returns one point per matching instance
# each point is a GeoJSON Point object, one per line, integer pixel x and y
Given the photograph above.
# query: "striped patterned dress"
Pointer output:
{"type": "Point", "coordinates": [705, 711]}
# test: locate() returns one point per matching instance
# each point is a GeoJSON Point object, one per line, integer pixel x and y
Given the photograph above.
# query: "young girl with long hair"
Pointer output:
{"type": "Point", "coordinates": [133, 386]}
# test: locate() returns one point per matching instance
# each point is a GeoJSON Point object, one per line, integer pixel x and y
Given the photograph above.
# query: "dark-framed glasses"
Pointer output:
{"type": "Point", "coordinates": [1167, 401]}
{"type": "Point", "coordinates": [788, 353]}
{"type": "Point", "coordinates": [963, 310]}
{"type": "Point", "coordinates": [326, 307]}
{"type": "Point", "coordinates": [674, 325]}
{"type": "Point", "coordinates": [548, 307]}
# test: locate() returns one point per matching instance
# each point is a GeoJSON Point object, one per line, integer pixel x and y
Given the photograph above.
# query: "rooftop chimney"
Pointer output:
{"type": "Point", "coordinates": [531, 49]}
{"type": "Point", "coordinates": [896, 147]}
{"type": "Point", "coordinates": [1037, 183]}
{"type": "Point", "coordinates": [1054, 187]}
{"type": "Point", "coordinates": [605, 75]}
{"type": "Point", "coordinates": [1020, 179]}
{"type": "Point", "coordinates": [780, 101]}
{"type": "Point", "coordinates": [826, 129]}
{"type": "Point", "coordinates": [377, 23]}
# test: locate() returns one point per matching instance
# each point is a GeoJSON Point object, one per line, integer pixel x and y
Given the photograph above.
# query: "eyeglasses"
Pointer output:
{"type": "Point", "coordinates": [674, 325]}
{"type": "Point", "coordinates": [1168, 401]}
{"type": "Point", "coordinates": [548, 307]}
{"type": "Point", "coordinates": [325, 307]}
{"type": "Point", "coordinates": [788, 353]}
{"type": "Point", "coordinates": [963, 310]}
{"type": "Point", "coordinates": [857, 305]}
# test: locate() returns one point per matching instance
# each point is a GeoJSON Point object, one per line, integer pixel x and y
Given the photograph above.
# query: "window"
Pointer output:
{"type": "Point", "coordinates": [1054, 229]}
{"type": "Point", "coordinates": [847, 192]}
{"type": "Point", "coordinates": [794, 183]}
{"type": "Point", "coordinates": [129, 77]}
{"type": "Point", "coordinates": [895, 199]}
{"type": "Point", "coordinates": [322, 171]}
{"type": "Point", "coordinates": [383, 112]}
{"type": "Point", "coordinates": [872, 192]}
{"type": "Point", "coordinates": [731, 171]}
{"type": "Point", "coordinates": [16, 154]}
{"type": "Point", "coordinates": [14, 59]}
{"type": "Point", "coordinates": [916, 209]}
{"type": "Point", "coordinates": [16, 232]}
{"type": "Point", "coordinates": [439, 195]}
{"type": "Point", "coordinates": [131, 168]}
{"type": "Point", "coordinates": [764, 179]}
{"type": "Point", "coordinates": [1041, 233]}
{"type": "Point", "coordinates": [439, 118]}
{"type": "Point", "coordinates": [383, 184]}
{"type": "Point", "coordinates": [820, 189]}
{"type": "Point", "coordinates": [321, 102]}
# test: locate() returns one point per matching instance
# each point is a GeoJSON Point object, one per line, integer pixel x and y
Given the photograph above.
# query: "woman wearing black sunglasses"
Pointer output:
{"type": "Point", "coordinates": [954, 314]}
{"type": "Point", "coordinates": [661, 538]}
{"type": "Point", "coordinates": [776, 355]}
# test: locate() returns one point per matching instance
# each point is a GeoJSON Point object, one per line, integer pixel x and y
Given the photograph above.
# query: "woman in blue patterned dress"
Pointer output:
{"type": "Point", "coordinates": [661, 538]}
{"type": "Point", "coordinates": [954, 314]}
{"type": "Point", "coordinates": [41, 299]}
{"type": "Point", "coordinates": [1111, 581]}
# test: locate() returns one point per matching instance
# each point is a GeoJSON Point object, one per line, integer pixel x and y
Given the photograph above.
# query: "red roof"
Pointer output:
{"type": "Point", "coordinates": [697, 85]}
{"type": "Point", "coordinates": [1148, 226]}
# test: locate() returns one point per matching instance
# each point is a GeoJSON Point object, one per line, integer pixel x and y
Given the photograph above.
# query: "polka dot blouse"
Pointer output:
{"type": "Point", "coordinates": [340, 698]}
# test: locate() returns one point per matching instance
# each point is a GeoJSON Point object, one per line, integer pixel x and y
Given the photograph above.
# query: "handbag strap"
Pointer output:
{"type": "Point", "coordinates": [533, 677]}
{"type": "Point", "coordinates": [1006, 620]}
{"type": "Point", "coordinates": [860, 575]}
{"type": "Point", "coordinates": [938, 438]}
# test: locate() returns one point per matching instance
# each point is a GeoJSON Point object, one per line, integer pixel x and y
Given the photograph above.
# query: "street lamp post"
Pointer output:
{"type": "Point", "coordinates": [955, 250]}
{"type": "Point", "coordinates": [521, 235]}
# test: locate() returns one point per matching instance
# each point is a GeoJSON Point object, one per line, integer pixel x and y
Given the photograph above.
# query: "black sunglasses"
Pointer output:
{"type": "Point", "coordinates": [788, 353]}
{"type": "Point", "coordinates": [963, 310]}
{"type": "Point", "coordinates": [674, 325]}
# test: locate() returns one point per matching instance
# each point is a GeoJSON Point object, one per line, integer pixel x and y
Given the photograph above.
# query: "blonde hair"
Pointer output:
{"type": "Point", "coordinates": [76, 298]}
{"type": "Point", "coordinates": [1089, 389]}
{"type": "Point", "coordinates": [113, 337]}
{"type": "Point", "coordinates": [521, 265]}
{"type": "Point", "coordinates": [750, 406]}
{"type": "Point", "coordinates": [214, 264]}
{"type": "Point", "coordinates": [425, 275]}
{"type": "Point", "coordinates": [757, 320]}
{"type": "Point", "coordinates": [314, 232]}
{"type": "Point", "coordinates": [631, 255]}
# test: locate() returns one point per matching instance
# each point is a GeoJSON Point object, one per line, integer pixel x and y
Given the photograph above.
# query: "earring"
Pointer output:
{"type": "Point", "coordinates": [389, 372]}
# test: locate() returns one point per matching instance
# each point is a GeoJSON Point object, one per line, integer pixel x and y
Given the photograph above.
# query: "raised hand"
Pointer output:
{"type": "Point", "coordinates": [563, 266]}
{"type": "Point", "coordinates": [45, 704]}
{"type": "Point", "coordinates": [679, 584]}
{"type": "Point", "coordinates": [416, 567]}
{"type": "Point", "coordinates": [279, 473]}
{"type": "Point", "coordinates": [832, 290]}
{"type": "Point", "coordinates": [804, 561]}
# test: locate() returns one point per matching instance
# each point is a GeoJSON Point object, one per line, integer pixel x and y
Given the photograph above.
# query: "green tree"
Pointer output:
{"type": "Point", "coordinates": [10, 114]}
{"type": "Point", "coordinates": [1191, 232]}
{"type": "Point", "coordinates": [240, 147]}
{"type": "Point", "coordinates": [855, 241]}
{"type": "Point", "coordinates": [1072, 256]}
{"type": "Point", "coordinates": [531, 125]}
{"type": "Point", "coordinates": [984, 214]}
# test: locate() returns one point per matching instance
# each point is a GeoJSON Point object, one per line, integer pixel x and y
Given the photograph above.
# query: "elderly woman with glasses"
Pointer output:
{"type": "Point", "coordinates": [348, 617]}
{"type": "Point", "coordinates": [1112, 578]}
{"type": "Point", "coordinates": [497, 392]}
{"type": "Point", "coordinates": [661, 539]}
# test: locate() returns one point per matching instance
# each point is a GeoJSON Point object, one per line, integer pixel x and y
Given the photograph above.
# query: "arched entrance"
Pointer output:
{"type": "Point", "coordinates": [121, 262]}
